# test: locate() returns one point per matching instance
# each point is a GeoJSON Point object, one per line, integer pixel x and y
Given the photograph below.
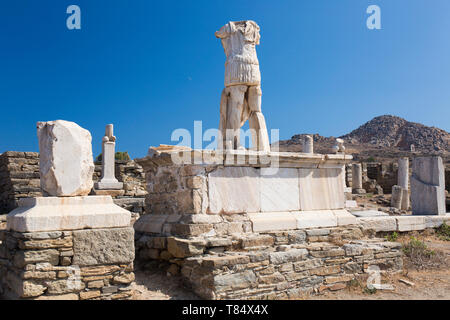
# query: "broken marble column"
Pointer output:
{"type": "Point", "coordinates": [403, 181]}
{"type": "Point", "coordinates": [397, 197]}
{"type": "Point", "coordinates": [108, 179]}
{"type": "Point", "coordinates": [308, 144]}
{"type": "Point", "coordinates": [428, 186]}
{"type": "Point", "coordinates": [66, 163]}
{"type": "Point", "coordinates": [357, 179]}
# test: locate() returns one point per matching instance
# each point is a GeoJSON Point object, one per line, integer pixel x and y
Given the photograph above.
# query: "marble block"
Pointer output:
{"type": "Point", "coordinates": [66, 163]}
{"type": "Point", "coordinates": [344, 217]}
{"type": "Point", "coordinates": [279, 191]}
{"type": "Point", "coordinates": [101, 185]}
{"type": "Point", "coordinates": [321, 189]}
{"type": "Point", "coordinates": [315, 219]}
{"type": "Point", "coordinates": [273, 221]}
{"type": "Point", "coordinates": [410, 223]}
{"type": "Point", "coordinates": [369, 213]}
{"type": "Point", "coordinates": [67, 213]}
{"type": "Point", "coordinates": [428, 186]}
{"type": "Point", "coordinates": [151, 223]}
{"type": "Point", "coordinates": [378, 223]}
{"type": "Point", "coordinates": [234, 190]}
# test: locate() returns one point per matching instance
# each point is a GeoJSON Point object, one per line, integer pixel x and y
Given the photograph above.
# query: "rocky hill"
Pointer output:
{"type": "Point", "coordinates": [392, 131]}
{"type": "Point", "coordinates": [383, 137]}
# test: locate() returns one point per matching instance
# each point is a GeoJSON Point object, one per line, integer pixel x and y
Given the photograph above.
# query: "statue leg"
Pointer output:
{"type": "Point", "coordinates": [234, 112]}
{"type": "Point", "coordinates": [257, 123]}
{"type": "Point", "coordinates": [223, 120]}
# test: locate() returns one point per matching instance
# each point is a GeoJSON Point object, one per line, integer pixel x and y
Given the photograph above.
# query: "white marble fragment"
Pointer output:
{"type": "Point", "coordinates": [66, 163]}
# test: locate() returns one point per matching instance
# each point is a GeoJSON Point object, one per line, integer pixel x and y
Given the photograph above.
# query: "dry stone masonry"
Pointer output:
{"type": "Point", "coordinates": [69, 246]}
{"type": "Point", "coordinates": [19, 178]}
{"type": "Point", "coordinates": [242, 231]}
{"type": "Point", "coordinates": [67, 265]}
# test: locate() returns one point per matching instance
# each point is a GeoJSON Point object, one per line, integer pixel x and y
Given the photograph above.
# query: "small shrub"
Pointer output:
{"type": "Point", "coordinates": [119, 156]}
{"type": "Point", "coordinates": [443, 232]}
{"type": "Point", "coordinates": [392, 237]}
{"type": "Point", "coordinates": [370, 291]}
{"type": "Point", "coordinates": [420, 256]}
{"type": "Point", "coordinates": [371, 159]}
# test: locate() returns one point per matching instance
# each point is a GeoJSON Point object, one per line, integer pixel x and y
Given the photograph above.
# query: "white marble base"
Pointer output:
{"type": "Point", "coordinates": [67, 213]}
{"type": "Point", "coordinates": [108, 185]}
{"type": "Point", "coordinates": [351, 204]}
{"type": "Point", "coordinates": [275, 221]}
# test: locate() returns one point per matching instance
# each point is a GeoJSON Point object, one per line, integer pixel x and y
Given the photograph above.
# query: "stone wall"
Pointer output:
{"type": "Point", "coordinates": [69, 265]}
{"type": "Point", "coordinates": [271, 265]}
{"type": "Point", "coordinates": [19, 178]}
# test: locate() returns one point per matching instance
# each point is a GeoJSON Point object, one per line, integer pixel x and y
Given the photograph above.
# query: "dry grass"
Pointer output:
{"type": "Point", "coordinates": [420, 257]}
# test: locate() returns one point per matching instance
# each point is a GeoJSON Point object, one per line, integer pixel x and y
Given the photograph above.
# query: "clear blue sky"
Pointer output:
{"type": "Point", "coordinates": [150, 67]}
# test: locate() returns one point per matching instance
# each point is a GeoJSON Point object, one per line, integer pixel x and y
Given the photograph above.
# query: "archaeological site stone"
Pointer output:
{"type": "Point", "coordinates": [428, 186]}
{"type": "Point", "coordinates": [241, 98]}
{"type": "Point", "coordinates": [108, 179]}
{"type": "Point", "coordinates": [66, 163]}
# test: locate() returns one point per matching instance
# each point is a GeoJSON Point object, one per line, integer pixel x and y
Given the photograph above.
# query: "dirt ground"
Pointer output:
{"type": "Point", "coordinates": [427, 284]}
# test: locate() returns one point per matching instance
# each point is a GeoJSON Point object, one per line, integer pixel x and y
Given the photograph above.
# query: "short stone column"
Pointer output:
{"type": "Point", "coordinates": [397, 197]}
{"type": "Point", "coordinates": [428, 186]}
{"type": "Point", "coordinates": [357, 179]}
{"type": "Point", "coordinates": [308, 144]}
{"type": "Point", "coordinates": [67, 246]}
{"type": "Point", "coordinates": [108, 179]}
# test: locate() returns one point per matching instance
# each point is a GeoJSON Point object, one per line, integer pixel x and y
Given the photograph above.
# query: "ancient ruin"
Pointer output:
{"type": "Point", "coordinates": [67, 245]}
{"type": "Point", "coordinates": [231, 223]}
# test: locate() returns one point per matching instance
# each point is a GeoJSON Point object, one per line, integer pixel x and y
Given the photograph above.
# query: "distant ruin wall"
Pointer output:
{"type": "Point", "coordinates": [19, 178]}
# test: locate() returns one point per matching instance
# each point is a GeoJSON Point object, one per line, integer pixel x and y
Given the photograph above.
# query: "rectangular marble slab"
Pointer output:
{"type": "Point", "coordinates": [279, 189]}
{"type": "Point", "coordinates": [234, 190]}
{"type": "Point", "coordinates": [321, 189]}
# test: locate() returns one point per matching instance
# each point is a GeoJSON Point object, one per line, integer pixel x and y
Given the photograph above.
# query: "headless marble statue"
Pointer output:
{"type": "Point", "coordinates": [241, 98]}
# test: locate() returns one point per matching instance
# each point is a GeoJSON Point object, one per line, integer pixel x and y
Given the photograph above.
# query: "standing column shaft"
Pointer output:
{"type": "Point", "coordinates": [308, 144]}
{"type": "Point", "coordinates": [403, 173]}
{"type": "Point", "coordinates": [357, 176]}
